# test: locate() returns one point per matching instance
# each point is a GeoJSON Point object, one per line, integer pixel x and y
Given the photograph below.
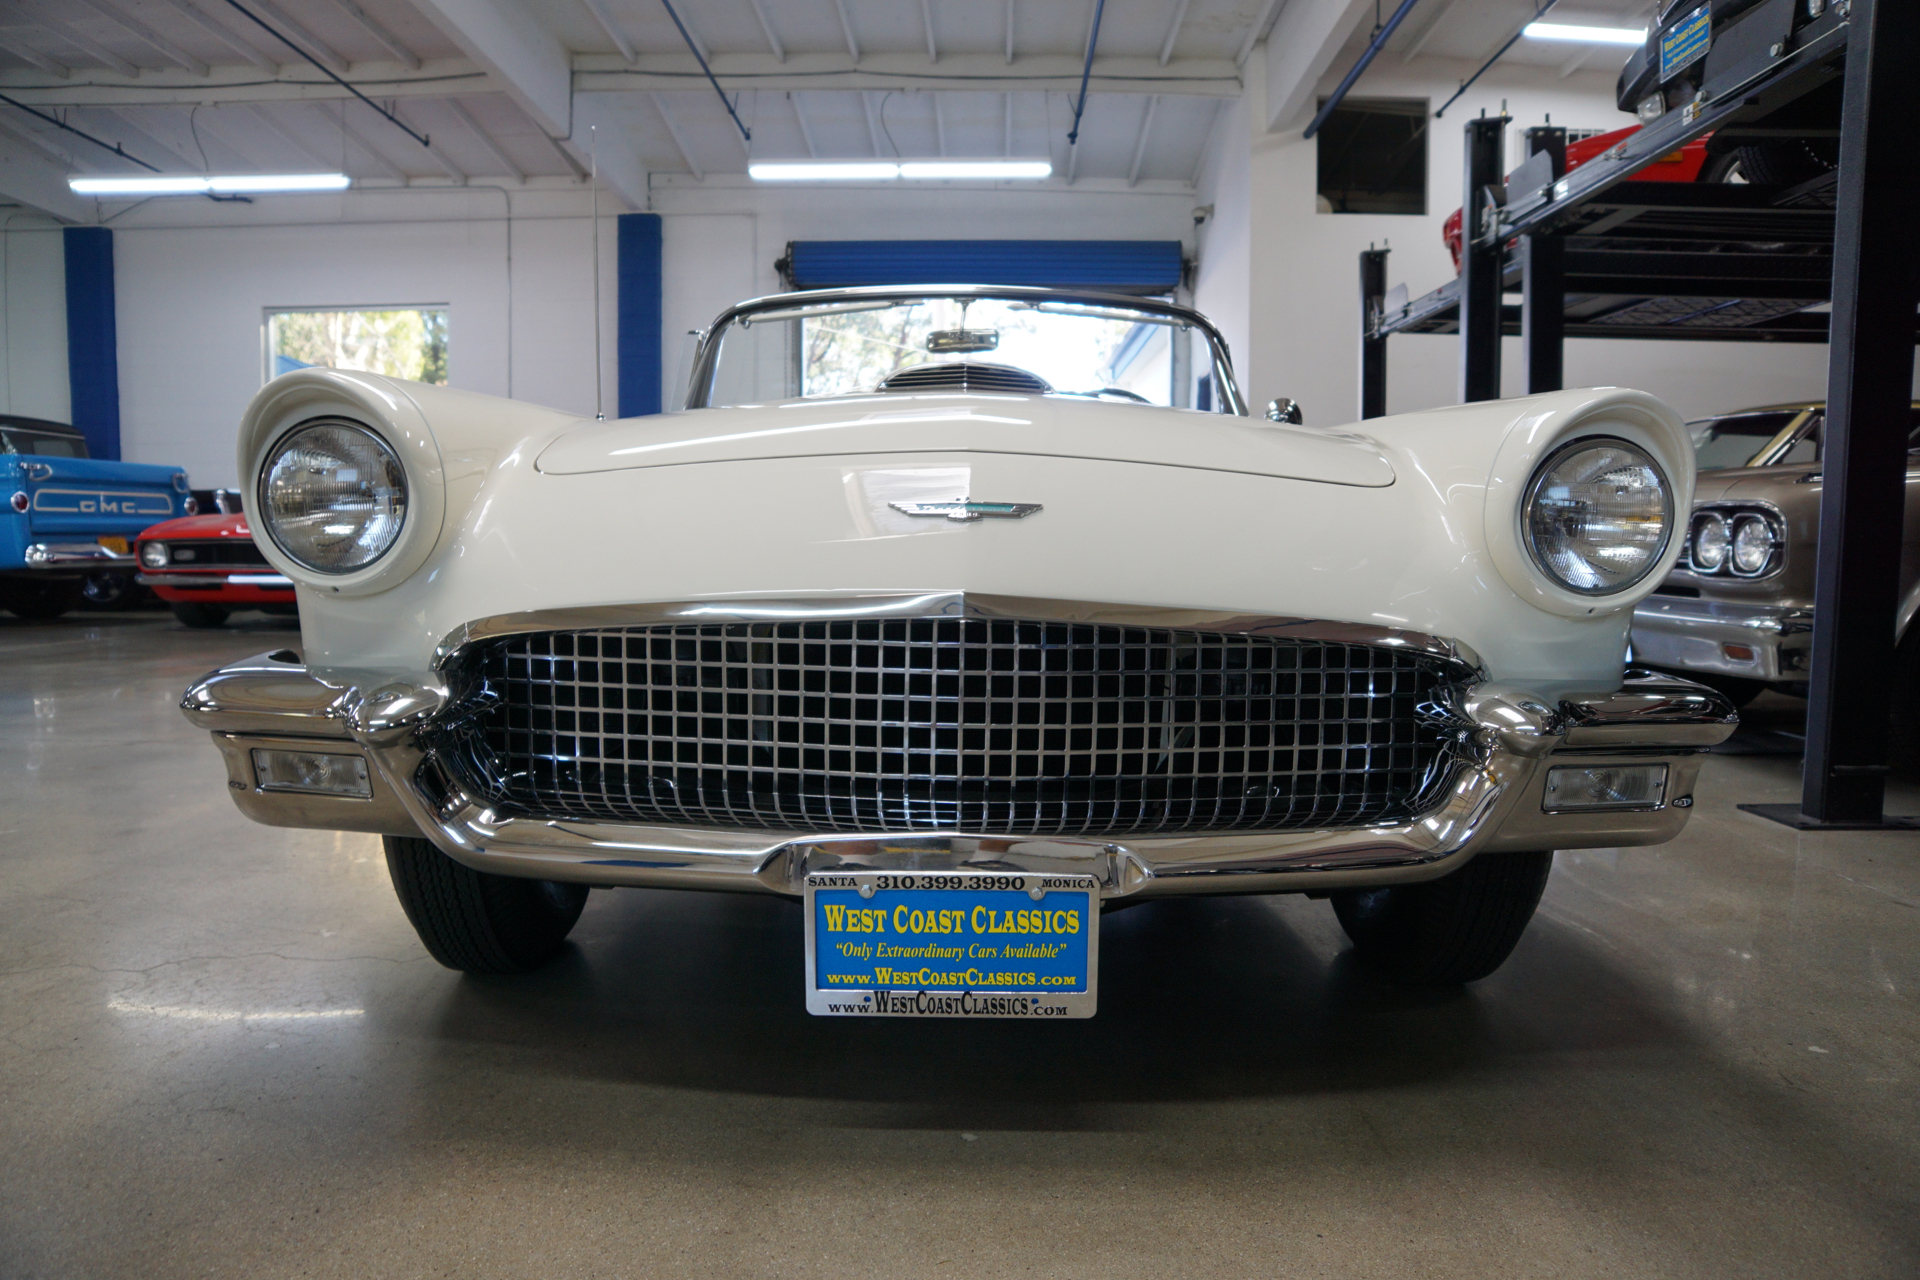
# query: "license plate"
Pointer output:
{"type": "Point", "coordinates": [951, 944]}
{"type": "Point", "coordinates": [1685, 43]}
{"type": "Point", "coordinates": [116, 545]}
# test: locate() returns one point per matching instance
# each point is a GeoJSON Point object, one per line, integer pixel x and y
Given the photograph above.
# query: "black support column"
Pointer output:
{"type": "Point", "coordinates": [1876, 280]}
{"type": "Point", "coordinates": [1543, 282]}
{"type": "Point", "coordinates": [1480, 266]}
{"type": "Point", "coordinates": [1373, 348]}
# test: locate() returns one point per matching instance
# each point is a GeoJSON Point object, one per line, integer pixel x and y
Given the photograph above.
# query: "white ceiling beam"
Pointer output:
{"type": "Point", "coordinates": [27, 53]}
{"type": "Point", "coordinates": [167, 48]}
{"type": "Point", "coordinates": [1009, 32]}
{"type": "Point", "coordinates": [1140, 143]}
{"type": "Point", "coordinates": [54, 150]}
{"type": "Point", "coordinates": [1435, 21]}
{"type": "Point", "coordinates": [215, 126]}
{"type": "Point", "coordinates": [337, 119]}
{"type": "Point", "coordinates": [1173, 31]}
{"type": "Point", "coordinates": [956, 72]}
{"type": "Point", "coordinates": [612, 28]}
{"type": "Point", "coordinates": [225, 35]}
{"type": "Point", "coordinates": [381, 36]}
{"type": "Point", "coordinates": [673, 131]}
{"type": "Point", "coordinates": [873, 123]}
{"type": "Point", "coordinates": [766, 25]}
{"type": "Point", "coordinates": [1302, 46]}
{"type": "Point", "coordinates": [806, 134]}
{"type": "Point", "coordinates": [508, 41]}
{"type": "Point", "coordinates": [1258, 31]}
{"type": "Point", "coordinates": [27, 177]}
{"type": "Point", "coordinates": [926, 19]}
{"type": "Point", "coordinates": [280, 20]}
{"type": "Point", "coordinates": [87, 45]}
{"type": "Point", "coordinates": [294, 140]}
{"type": "Point", "coordinates": [486, 140]}
{"type": "Point", "coordinates": [528, 60]}
{"type": "Point", "coordinates": [846, 25]}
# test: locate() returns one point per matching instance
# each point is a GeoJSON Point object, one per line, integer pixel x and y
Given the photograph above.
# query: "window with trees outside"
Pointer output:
{"type": "Point", "coordinates": [401, 342]}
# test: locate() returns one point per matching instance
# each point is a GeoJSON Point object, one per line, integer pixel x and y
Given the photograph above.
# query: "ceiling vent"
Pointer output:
{"type": "Point", "coordinates": [964, 376]}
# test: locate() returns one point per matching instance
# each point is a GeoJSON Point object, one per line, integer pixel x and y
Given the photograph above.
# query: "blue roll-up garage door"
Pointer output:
{"type": "Point", "coordinates": [1114, 266]}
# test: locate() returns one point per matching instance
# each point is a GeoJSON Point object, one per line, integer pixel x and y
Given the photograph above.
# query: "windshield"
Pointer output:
{"type": "Point", "coordinates": [858, 346]}
{"type": "Point", "coordinates": [1733, 441]}
{"type": "Point", "coordinates": [43, 443]}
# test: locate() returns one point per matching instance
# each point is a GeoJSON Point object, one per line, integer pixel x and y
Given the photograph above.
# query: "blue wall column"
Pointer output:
{"type": "Point", "coordinates": [93, 352]}
{"type": "Point", "coordinates": [638, 355]}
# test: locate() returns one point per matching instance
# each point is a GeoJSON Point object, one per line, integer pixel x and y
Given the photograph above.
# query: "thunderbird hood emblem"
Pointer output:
{"type": "Point", "coordinates": [967, 509]}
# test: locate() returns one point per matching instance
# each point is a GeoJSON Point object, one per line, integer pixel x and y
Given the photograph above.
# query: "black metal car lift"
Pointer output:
{"type": "Point", "coordinates": [1594, 254]}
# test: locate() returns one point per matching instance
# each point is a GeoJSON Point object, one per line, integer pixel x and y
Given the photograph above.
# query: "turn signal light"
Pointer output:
{"type": "Point", "coordinates": [1621, 786]}
{"type": "Point", "coordinates": [315, 772]}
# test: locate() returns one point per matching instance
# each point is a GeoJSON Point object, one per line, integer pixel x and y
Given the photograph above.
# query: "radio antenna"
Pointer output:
{"type": "Point", "coordinates": [593, 161]}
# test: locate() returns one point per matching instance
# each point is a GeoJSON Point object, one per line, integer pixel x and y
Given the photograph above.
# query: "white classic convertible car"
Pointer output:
{"type": "Point", "coordinates": [936, 612]}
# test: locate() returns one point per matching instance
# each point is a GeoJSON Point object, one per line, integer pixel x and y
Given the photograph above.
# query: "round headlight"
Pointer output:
{"type": "Point", "coordinates": [1752, 544]}
{"type": "Point", "coordinates": [1711, 540]}
{"type": "Point", "coordinates": [1597, 516]}
{"type": "Point", "coordinates": [153, 555]}
{"type": "Point", "coordinates": [333, 496]}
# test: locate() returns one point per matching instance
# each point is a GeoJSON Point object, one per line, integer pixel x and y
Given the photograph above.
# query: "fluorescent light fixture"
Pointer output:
{"type": "Point", "coordinates": [1592, 35]}
{"type": "Point", "coordinates": [976, 169]}
{"type": "Point", "coordinates": [888, 170]}
{"type": "Point", "coordinates": [234, 184]}
{"type": "Point", "coordinates": [825, 171]}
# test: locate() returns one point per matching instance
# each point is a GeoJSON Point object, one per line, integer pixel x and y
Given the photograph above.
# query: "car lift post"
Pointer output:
{"type": "Point", "coordinates": [1876, 283]}
{"type": "Point", "coordinates": [1373, 347]}
{"type": "Point", "coordinates": [1543, 282]}
{"type": "Point", "coordinates": [1480, 264]}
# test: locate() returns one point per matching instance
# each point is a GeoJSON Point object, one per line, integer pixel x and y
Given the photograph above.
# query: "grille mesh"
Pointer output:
{"type": "Point", "coordinates": [986, 726]}
{"type": "Point", "coordinates": [966, 375]}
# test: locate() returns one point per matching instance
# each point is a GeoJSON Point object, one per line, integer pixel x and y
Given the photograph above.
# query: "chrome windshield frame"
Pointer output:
{"type": "Point", "coordinates": [706, 359]}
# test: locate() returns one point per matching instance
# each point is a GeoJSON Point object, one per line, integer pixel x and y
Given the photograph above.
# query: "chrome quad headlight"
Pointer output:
{"type": "Point", "coordinates": [1597, 515]}
{"type": "Point", "coordinates": [333, 496]}
{"type": "Point", "coordinates": [1740, 541]}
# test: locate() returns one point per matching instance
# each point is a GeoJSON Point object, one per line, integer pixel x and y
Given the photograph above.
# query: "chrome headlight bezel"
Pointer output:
{"type": "Point", "coordinates": [381, 455]}
{"type": "Point", "coordinates": [154, 555]}
{"type": "Point", "coordinates": [1722, 524]}
{"type": "Point", "coordinates": [1533, 493]}
{"type": "Point", "coordinates": [1709, 542]}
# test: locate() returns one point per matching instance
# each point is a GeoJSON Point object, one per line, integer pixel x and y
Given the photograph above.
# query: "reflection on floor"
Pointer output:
{"type": "Point", "coordinates": [226, 1054]}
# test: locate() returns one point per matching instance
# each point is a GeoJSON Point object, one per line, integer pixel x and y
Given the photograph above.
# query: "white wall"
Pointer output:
{"type": "Point", "coordinates": [33, 311]}
{"type": "Point", "coordinates": [194, 281]}
{"type": "Point", "coordinates": [1303, 266]}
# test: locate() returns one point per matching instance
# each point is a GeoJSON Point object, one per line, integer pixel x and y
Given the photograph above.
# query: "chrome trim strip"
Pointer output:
{"type": "Point", "coordinates": [1506, 736]}
{"type": "Point", "coordinates": [866, 606]}
{"type": "Point", "coordinates": [55, 555]}
{"type": "Point", "coordinates": [268, 581]}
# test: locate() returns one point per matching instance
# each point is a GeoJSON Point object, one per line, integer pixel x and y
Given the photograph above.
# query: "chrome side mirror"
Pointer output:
{"type": "Point", "coordinates": [1284, 410]}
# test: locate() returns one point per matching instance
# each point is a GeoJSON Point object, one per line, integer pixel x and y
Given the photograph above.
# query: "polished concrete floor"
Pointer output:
{"type": "Point", "coordinates": [225, 1054]}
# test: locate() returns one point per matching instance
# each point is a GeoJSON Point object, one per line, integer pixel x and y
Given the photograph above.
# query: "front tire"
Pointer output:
{"type": "Point", "coordinates": [42, 600]}
{"type": "Point", "coordinates": [201, 617]}
{"type": "Point", "coordinates": [476, 922]}
{"type": "Point", "coordinates": [1449, 931]}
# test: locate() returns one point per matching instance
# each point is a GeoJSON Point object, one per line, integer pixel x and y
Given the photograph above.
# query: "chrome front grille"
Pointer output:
{"type": "Point", "coordinates": [976, 725]}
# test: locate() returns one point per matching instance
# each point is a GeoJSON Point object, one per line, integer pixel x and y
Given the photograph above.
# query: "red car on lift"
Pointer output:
{"type": "Point", "coordinates": [1690, 163]}
{"type": "Point", "coordinates": [207, 567]}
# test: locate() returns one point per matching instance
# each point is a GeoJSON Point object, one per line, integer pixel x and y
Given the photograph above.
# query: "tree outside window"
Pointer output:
{"type": "Point", "coordinates": [400, 342]}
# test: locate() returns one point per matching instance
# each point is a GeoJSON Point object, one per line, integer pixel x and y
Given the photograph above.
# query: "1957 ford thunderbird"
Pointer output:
{"type": "Point", "coordinates": [935, 611]}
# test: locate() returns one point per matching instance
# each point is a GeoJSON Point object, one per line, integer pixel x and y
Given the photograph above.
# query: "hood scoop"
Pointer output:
{"type": "Point", "coordinates": [965, 375]}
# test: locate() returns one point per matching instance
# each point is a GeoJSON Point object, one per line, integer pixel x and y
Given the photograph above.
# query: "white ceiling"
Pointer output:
{"type": "Point", "coordinates": [194, 85]}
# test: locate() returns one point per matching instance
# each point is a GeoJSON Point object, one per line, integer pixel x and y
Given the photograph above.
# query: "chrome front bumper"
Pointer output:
{"type": "Point", "coordinates": [1717, 637]}
{"type": "Point", "coordinates": [1507, 741]}
{"type": "Point", "coordinates": [75, 555]}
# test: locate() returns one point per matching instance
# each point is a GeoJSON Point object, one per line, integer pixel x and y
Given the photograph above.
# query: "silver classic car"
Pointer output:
{"type": "Point", "coordinates": [1736, 612]}
{"type": "Point", "coordinates": [959, 615]}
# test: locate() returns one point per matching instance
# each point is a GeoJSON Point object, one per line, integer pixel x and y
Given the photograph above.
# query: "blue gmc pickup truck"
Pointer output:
{"type": "Point", "coordinates": [68, 515]}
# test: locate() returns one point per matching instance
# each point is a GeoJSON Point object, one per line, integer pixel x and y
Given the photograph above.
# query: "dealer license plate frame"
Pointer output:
{"type": "Point", "coordinates": [1009, 891]}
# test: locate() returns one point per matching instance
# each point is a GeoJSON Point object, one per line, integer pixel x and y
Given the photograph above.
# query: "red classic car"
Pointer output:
{"type": "Point", "coordinates": [207, 567]}
{"type": "Point", "coordinates": [1690, 163]}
